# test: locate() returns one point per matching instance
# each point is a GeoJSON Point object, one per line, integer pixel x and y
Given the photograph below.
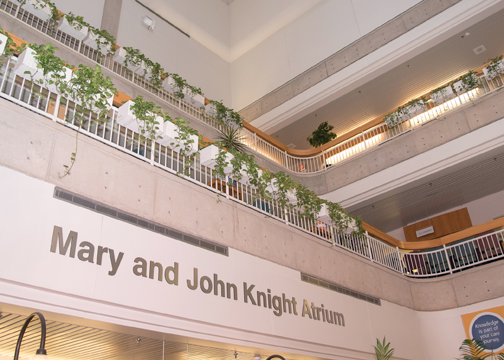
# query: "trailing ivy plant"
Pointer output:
{"type": "Point", "coordinates": [50, 68]}
{"type": "Point", "coordinates": [181, 87]}
{"type": "Point", "coordinates": [76, 21]}
{"type": "Point", "coordinates": [10, 45]}
{"type": "Point", "coordinates": [284, 185]}
{"type": "Point", "coordinates": [342, 220]}
{"type": "Point", "coordinates": [392, 120]}
{"type": "Point", "coordinates": [226, 116]}
{"type": "Point", "coordinates": [156, 75]}
{"type": "Point", "coordinates": [90, 90]}
{"type": "Point", "coordinates": [309, 203]}
{"type": "Point", "coordinates": [133, 57]}
{"type": "Point", "coordinates": [104, 39]}
{"type": "Point", "coordinates": [184, 142]}
{"type": "Point", "coordinates": [322, 135]}
{"type": "Point", "coordinates": [42, 4]}
{"type": "Point", "coordinates": [468, 82]}
{"type": "Point", "coordinates": [146, 115]}
{"type": "Point", "coordinates": [496, 67]}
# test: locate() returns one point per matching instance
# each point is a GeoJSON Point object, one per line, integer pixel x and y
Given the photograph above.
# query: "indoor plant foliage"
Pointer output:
{"type": "Point", "coordinates": [231, 139]}
{"type": "Point", "coordinates": [76, 21]}
{"type": "Point", "coordinates": [89, 88]}
{"type": "Point", "coordinates": [146, 115]}
{"type": "Point", "coordinates": [184, 142]}
{"type": "Point", "coordinates": [50, 68]}
{"type": "Point", "coordinates": [181, 87]}
{"type": "Point", "coordinates": [475, 350]}
{"type": "Point", "coordinates": [133, 57]}
{"type": "Point", "coordinates": [382, 351]}
{"type": "Point", "coordinates": [322, 135]}
{"type": "Point", "coordinates": [104, 39]}
{"type": "Point", "coordinates": [10, 45]}
{"type": "Point", "coordinates": [342, 220]}
{"type": "Point", "coordinates": [466, 82]}
{"type": "Point", "coordinates": [496, 68]}
{"type": "Point", "coordinates": [283, 185]}
{"type": "Point", "coordinates": [226, 116]}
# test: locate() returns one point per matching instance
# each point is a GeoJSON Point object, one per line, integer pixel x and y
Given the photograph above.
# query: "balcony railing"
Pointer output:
{"type": "Point", "coordinates": [308, 165]}
{"type": "Point", "coordinates": [431, 263]}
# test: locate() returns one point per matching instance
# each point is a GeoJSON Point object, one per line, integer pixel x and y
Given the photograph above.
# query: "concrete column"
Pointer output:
{"type": "Point", "coordinates": [111, 16]}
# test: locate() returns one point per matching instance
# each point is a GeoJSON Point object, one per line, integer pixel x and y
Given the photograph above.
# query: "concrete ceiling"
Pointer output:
{"type": "Point", "coordinates": [416, 77]}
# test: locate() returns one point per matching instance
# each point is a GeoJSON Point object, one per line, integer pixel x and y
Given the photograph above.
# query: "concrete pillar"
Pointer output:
{"type": "Point", "coordinates": [111, 16]}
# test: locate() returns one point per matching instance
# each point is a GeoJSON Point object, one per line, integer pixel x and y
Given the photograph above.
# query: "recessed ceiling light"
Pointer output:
{"type": "Point", "coordinates": [479, 49]}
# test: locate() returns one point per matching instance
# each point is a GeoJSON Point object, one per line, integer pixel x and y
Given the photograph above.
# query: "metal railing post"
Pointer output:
{"type": "Point", "coordinates": [400, 260]}
{"type": "Point", "coordinates": [286, 159]}
{"type": "Point", "coordinates": [447, 259]}
{"type": "Point", "coordinates": [364, 140]}
{"type": "Point", "coordinates": [56, 107]}
{"type": "Point", "coordinates": [369, 248]}
{"type": "Point", "coordinates": [255, 141]}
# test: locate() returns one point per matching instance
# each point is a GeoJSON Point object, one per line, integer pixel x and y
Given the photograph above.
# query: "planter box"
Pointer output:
{"type": "Point", "coordinates": [168, 84]}
{"type": "Point", "coordinates": [126, 118]}
{"type": "Point", "coordinates": [414, 110]}
{"type": "Point", "coordinates": [91, 41]}
{"type": "Point", "coordinates": [38, 8]}
{"type": "Point", "coordinates": [443, 96]}
{"type": "Point", "coordinates": [490, 75]}
{"type": "Point", "coordinates": [168, 138]}
{"type": "Point", "coordinates": [3, 39]}
{"type": "Point", "coordinates": [323, 216]}
{"type": "Point", "coordinates": [210, 110]}
{"type": "Point", "coordinates": [461, 88]}
{"type": "Point", "coordinates": [291, 195]}
{"type": "Point", "coordinates": [120, 57]}
{"type": "Point", "coordinates": [197, 100]}
{"type": "Point", "coordinates": [65, 27]}
{"type": "Point", "coordinates": [210, 153]}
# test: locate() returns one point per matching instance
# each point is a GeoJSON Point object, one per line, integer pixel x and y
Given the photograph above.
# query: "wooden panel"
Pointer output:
{"type": "Point", "coordinates": [443, 225]}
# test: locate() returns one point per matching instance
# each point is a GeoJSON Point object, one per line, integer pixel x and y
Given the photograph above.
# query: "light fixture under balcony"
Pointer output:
{"type": "Point", "coordinates": [41, 353]}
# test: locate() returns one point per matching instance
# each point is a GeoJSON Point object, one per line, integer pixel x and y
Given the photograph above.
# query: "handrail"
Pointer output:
{"type": "Point", "coordinates": [296, 161]}
{"type": "Point", "coordinates": [434, 243]}
{"type": "Point", "coordinates": [434, 262]}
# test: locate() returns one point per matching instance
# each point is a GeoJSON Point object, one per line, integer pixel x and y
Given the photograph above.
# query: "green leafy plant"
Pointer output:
{"type": "Point", "coordinates": [76, 21]}
{"type": "Point", "coordinates": [468, 82]}
{"type": "Point", "coordinates": [184, 142]}
{"type": "Point", "coordinates": [475, 350]}
{"type": "Point", "coordinates": [322, 135]}
{"type": "Point", "coordinates": [226, 116]}
{"type": "Point", "coordinates": [181, 87]}
{"type": "Point", "coordinates": [342, 220]}
{"type": "Point", "coordinates": [156, 75]}
{"type": "Point", "coordinates": [392, 120]}
{"type": "Point", "coordinates": [496, 67]}
{"type": "Point", "coordinates": [51, 67]}
{"type": "Point", "coordinates": [231, 139]}
{"type": "Point", "coordinates": [10, 45]}
{"type": "Point", "coordinates": [104, 40]}
{"type": "Point", "coordinates": [146, 115]}
{"type": "Point", "coordinates": [133, 57]}
{"type": "Point", "coordinates": [382, 351]}
{"type": "Point", "coordinates": [91, 90]}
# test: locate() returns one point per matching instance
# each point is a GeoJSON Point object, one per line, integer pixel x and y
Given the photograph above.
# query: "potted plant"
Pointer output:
{"type": "Point", "coordinates": [217, 159]}
{"type": "Point", "coordinates": [75, 26]}
{"type": "Point", "coordinates": [476, 350]}
{"type": "Point", "coordinates": [39, 64]}
{"type": "Point", "coordinates": [442, 95]}
{"type": "Point", "coordinates": [179, 139]}
{"type": "Point", "coordinates": [100, 40]}
{"type": "Point", "coordinates": [413, 108]}
{"type": "Point", "coordinates": [181, 89]}
{"type": "Point", "coordinates": [128, 57]}
{"type": "Point", "coordinates": [495, 69]}
{"type": "Point", "coordinates": [40, 8]}
{"type": "Point", "coordinates": [224, 115]}
{"type": "Point", "coordinates": [466, 83]}
{"type": "Point", "coordinates": [393, 119]}
{"type": "Point", "coordinates": [322, 135]}
{"type": "Point", "coordinates": [143, 117]}
{"type": "Point", "coordinates": [382, 351]}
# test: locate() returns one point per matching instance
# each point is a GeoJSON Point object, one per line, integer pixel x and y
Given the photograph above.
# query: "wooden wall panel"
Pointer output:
{"type": "Point", "coordinates": [443, 225]}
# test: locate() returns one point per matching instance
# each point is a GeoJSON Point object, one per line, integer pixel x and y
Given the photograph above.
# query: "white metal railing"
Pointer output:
{"type": "Point", "coordinates": [342, 152]}
{"type": "Point", "coordinates": [51, 105]}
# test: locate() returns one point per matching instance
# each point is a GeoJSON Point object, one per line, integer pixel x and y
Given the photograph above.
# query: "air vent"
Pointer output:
{"type": "Point", "coordinates": [479, 49]}
{"type": "Point", "coordinates": [340, 289]}
{"type": "Point", "coordinates": [137, 221]}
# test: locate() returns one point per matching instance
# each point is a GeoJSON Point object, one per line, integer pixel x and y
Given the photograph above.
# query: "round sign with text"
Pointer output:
{"type": "Point", "coordinates": [489, 329]}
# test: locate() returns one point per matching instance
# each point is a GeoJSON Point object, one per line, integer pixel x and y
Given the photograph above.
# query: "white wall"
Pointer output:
{"type": "Point", "coordinates": [91, 11]}
{"type": "Point", "coordinates": [175, 52]}
{"type": "Point", "coordinates": [318, 33]}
